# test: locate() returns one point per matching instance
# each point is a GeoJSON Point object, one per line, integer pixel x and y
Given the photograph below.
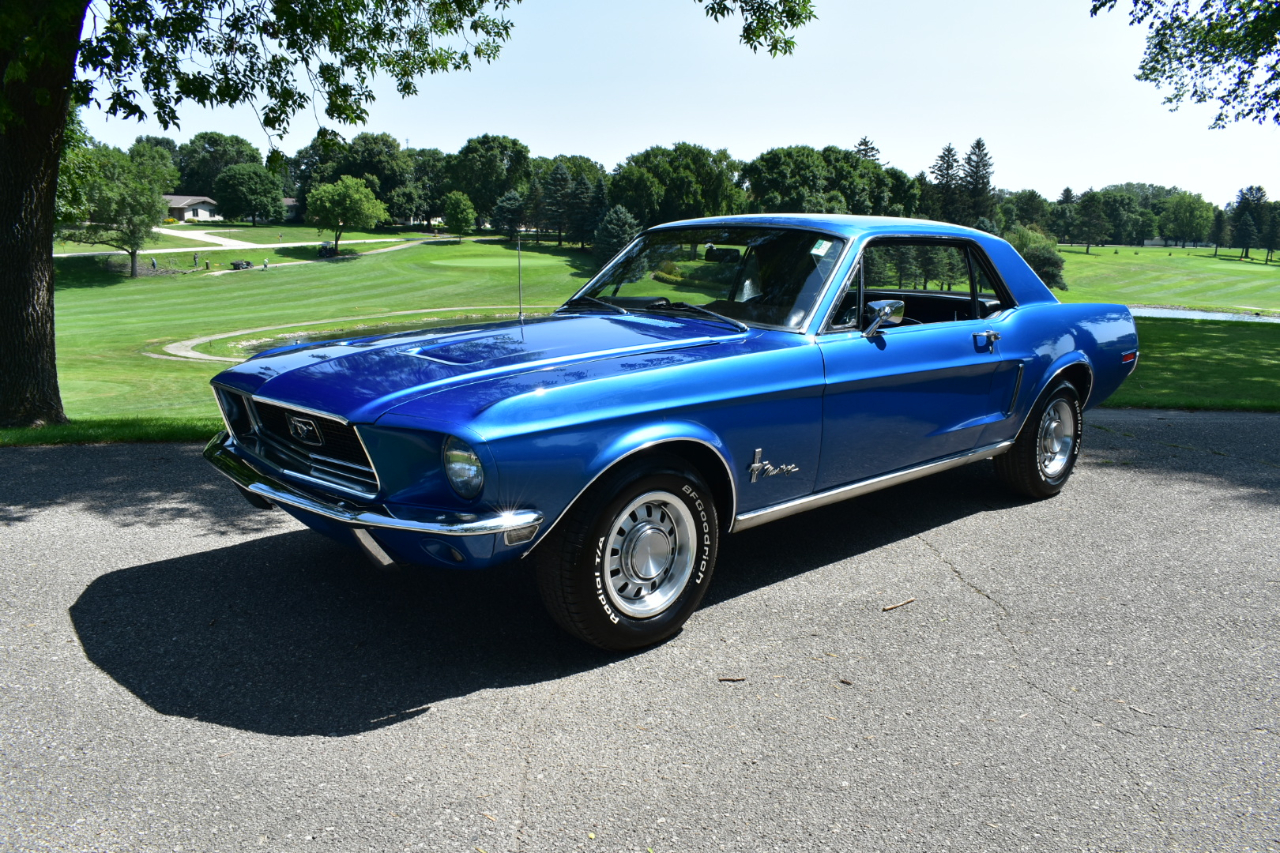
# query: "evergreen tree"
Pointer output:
{"type": "Point", "coordinates": [976, 179]}
{"type": "Point", "coordinates": [1067, 197]}
{"type": "Point", "coordinates": [1062, 222]}
{"type": "Point", "coordinates": [946, 182]}
{"type": "Point", "coordinates": [1246, 235]}
{"type": "Point", "coordinates": [1270, 239]}
{"type": "Point", "coordinates": [867, 150]}
{"type": "Point", "coordinates": [1220, 231]}
{"type": "Point", "coordinates": [581, 215]}
{"type": "Point", "coordinates": [617, 229]}
{"type": "Point", "coordinates": [508, 214]}
{"type": "Point", "coordinates": [535, 212]}
{"type": "Point", "coordinates": [558, 194]}
{"type": "Point", "coordinates": [1094, 226]}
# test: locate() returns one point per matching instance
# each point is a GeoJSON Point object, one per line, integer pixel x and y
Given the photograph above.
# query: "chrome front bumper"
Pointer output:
{"type": "Point", "coordinates": [438, 522]}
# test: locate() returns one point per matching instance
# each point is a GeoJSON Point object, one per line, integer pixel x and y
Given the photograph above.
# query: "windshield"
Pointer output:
{"type": "Point", "coordinates": [757, 276]}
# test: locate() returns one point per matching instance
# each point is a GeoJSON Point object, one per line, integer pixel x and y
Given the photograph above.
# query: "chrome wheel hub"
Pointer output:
{"type": "Point", "coordinates": [1057, 438]}
{"type": "Point", "coordinates": [649, 555]}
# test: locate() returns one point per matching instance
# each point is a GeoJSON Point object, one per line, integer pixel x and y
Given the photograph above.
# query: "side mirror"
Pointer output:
{"type": "Point", "coordinates": [887, 312]}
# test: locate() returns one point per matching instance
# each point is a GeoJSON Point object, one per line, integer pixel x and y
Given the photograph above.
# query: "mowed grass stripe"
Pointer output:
{"type": "Point", "coordinates": [105, 324]}
{"type": "Point", "coordinates": [1191, 278]}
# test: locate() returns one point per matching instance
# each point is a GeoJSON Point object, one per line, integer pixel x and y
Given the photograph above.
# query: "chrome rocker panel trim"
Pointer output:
{"type": "Point", "coordinates": [771, 513]}
{"type": "Point", "coordinates": [247, 477]}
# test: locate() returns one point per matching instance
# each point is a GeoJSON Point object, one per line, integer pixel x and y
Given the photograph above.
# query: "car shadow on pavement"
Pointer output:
{"type": "Point", "coordinates": [293, 635]}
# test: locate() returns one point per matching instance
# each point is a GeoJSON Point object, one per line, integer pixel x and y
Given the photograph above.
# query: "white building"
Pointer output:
{"type": "Point", "coordinates": [192, 207]}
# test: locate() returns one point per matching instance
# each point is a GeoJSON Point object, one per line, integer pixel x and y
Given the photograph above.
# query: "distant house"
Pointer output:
{"type": "Point", "coordinates": [290, 209]}
{"type": "Point", "coordinates": [193, 207]}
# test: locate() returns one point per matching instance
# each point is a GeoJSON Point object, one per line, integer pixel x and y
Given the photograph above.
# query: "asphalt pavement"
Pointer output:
{"type": "Point", "coordinates": [1095, 672]}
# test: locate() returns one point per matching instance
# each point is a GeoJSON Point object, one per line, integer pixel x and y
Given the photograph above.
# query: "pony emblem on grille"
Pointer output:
{"type": "Point", "coordinates": [305, 430]}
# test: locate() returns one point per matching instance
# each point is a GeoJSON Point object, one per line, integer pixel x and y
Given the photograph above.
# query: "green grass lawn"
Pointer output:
{"type": "Point", "coordinates": [1204, 364]}
{"type": "Point", "coordinates": [108, 323]}
{"type": "Point", "coordinates": [1191, 278]}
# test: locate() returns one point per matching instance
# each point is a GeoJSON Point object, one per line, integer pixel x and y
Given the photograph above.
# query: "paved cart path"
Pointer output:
{"type": "Point", "coordinates": [1095, 672]}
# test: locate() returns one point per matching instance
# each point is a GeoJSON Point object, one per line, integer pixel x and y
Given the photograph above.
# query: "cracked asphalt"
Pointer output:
{"type": "Point", "coordinates": [1096, 672]}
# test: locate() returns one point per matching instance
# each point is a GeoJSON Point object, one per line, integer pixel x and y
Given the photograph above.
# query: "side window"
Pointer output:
{"type": "Point", "coordinates": [932, 278]}
{"type": "Point", "coordinates": [988, 294]}
{"type": "Point", "coordinates": [902, 265]}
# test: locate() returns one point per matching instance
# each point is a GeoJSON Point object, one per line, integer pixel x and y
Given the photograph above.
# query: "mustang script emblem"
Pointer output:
{"type": "Point", "coordinates": [305, 430]}
{"type": "Point", "coordinates": [760, 469]}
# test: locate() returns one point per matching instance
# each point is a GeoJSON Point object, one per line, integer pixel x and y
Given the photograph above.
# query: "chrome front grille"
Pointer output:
{"type": "Point", "coordinates": [318, 447]}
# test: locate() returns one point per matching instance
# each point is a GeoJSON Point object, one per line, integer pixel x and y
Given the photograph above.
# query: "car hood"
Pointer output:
{"type": "Point", "coordinates": [362, 379]}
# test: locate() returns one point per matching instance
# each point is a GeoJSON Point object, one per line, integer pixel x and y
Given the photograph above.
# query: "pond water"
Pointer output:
{"type": "Point", "coordinates": [1188, 314]}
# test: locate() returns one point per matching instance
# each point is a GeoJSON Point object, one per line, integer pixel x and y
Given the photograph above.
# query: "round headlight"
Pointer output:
{"type": "Point", "coordinates": [463, 468]}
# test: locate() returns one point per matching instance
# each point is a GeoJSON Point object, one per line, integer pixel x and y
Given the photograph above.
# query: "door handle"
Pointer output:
{"type": "Point", "coordinates": [990, 336]}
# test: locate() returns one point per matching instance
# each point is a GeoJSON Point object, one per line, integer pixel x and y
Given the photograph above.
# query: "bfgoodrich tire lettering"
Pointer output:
{"type": "Point", "coordinates": [631, 560]}
{"type": "Point", "coordinates": [1045, 452]}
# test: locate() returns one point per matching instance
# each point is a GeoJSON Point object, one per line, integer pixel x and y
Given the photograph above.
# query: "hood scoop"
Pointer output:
{"type": "Point", "coordinates": [435, 354]}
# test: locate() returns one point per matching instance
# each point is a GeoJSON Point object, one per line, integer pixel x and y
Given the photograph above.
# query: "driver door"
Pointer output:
{"type": "Point", "coordinates": [914, 392]}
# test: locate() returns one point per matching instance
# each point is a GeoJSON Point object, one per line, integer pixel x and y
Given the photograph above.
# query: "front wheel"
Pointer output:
{"type": "Point", "coordinates": [630, 561]}
{"type": "Point", "coordinates": [1045, 452]}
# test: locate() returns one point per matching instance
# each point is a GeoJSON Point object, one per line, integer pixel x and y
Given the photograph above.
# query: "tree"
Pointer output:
{"type": "Point", "coordinates": [1220, 231]}
{"type": "Point", "coordinates": [1270, 240]}
{"type": "Point", "coordinates": [248, 191]}
{"type": "Point", "coordinates": [1040, 253]}
{"type": "Point", "coordinates": [376, 159]}
{"type": "Point", "coordinates": [344, 205]}
{"type": "Point", "coordinates": [558, 195]}
{"type": "Point", "coordinates": [1067, 197]}
{"type": "Point", "coordinates": [616, 231]}
{"type": "Point", "coordinates": [201, 160]}
{"type": "Point", "coordinates": [788, 180]}
{"type": "Point", "coordinates": [76, 170]}
{"type": "Point", "coordinates": [1062, 222]}
{"type": "Point", "coordinates": [158, 142]}
{"type": "Point", "coordinates": [278, 58]}
{"type": "Point", "coordinates": [1246, 235]}
{"type": "Point", "coordinates": [1212, 50]}
{"type": "Point", "coordinates": [508, 214]}
{"type": "Point", "coordinates": [1092, 224]}
{"type": "Point", "coordinates": [949, 205]}
{"type": "Point", "coordinates": [695, 181]}
{"type": "Point", "coordinates": [487, 167]}
{"type": "Point", "coordinates": [125, 199]}
{"type": "Point", "coordinates": [1030, 208]}
{"type": "Point", "coordinates": [635, 188]}
{"type": "Point", "coordinates": [976, 180]}
{"type": "Point", "coordinates": [867, 150]}
{"type": "Point", "coordinates": [1186, 219]}
{"type": "Point", "coordinates": [459, 214]}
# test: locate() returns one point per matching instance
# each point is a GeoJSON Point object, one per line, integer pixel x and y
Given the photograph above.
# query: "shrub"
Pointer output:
{"type": "Point", "coordinates": [670, 268]}
{"type": "Point", "coordinates": [1047, 264]}
{"type": "Point", "coordinates": [667, 278]}
{"type": "Point", "coordinates": [170, 221]}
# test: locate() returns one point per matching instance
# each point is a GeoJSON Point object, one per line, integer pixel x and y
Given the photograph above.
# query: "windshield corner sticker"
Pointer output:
{"type": "Point", "coordinates": [820, 248]}
{"type": "Point", "coordinates": [760, 468]}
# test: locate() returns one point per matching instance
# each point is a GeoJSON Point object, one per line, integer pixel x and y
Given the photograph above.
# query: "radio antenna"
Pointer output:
{"type": "Point", "coordinates": [519, 277]}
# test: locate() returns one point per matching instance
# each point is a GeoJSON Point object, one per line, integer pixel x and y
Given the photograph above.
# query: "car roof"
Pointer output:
{"type": "Point", "coordinates": [837, 223]}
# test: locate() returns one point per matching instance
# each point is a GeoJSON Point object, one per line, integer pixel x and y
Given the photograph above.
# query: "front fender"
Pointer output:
{"type": "Point", "coordinates": [553, 472]}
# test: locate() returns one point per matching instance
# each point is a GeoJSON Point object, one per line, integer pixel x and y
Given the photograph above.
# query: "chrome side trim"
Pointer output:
{"type": "Point", "coordinates": [762, 516]}
{"type": "Point", "coordinates": [1017, 387]}
{"type": "Point", "coordinates": [443, 523]}
{"type": "Point", "coordinates": [733, 485]}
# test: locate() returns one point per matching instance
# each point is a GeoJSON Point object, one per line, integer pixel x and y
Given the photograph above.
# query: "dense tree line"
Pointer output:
{"type": "Point", "coordinates": [493, 181]}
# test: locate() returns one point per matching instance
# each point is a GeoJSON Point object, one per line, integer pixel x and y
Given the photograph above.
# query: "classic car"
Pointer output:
{"type": "Point", "coordinates": [716, 375]}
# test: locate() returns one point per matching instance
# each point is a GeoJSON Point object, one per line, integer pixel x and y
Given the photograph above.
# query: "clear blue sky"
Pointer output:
{"type": "Point", "coordinates": [1050, 89]}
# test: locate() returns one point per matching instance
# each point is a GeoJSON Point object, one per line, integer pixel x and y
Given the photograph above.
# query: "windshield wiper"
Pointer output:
{"type": "Point", "coordinates": [698, 309]}
{"type": "Point", "coordinates": [592, 301]}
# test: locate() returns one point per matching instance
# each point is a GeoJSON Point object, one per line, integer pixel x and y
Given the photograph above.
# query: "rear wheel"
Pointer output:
{"type": "Point", "coordinates": [1045, 452]}
{"type": "Point", "coordinates": [631, 560]}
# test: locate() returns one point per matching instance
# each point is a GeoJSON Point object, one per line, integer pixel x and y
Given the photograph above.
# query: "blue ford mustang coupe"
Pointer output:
{"type": "Point", "coordinates": [716, 375]}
